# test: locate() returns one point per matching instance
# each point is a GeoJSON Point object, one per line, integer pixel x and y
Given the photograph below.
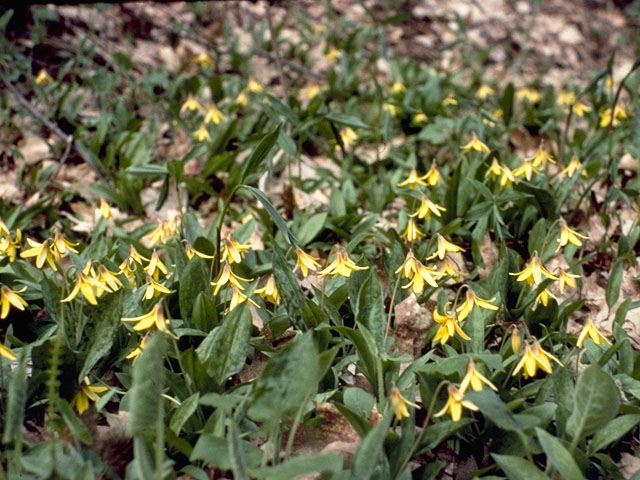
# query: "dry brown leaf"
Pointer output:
{"type": "Point", "coordinates": [630, 465]}
{"type": "Point", "coordinates": [490, 256]}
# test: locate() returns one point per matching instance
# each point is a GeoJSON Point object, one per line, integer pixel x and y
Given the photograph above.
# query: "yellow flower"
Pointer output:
{"type": "Point", "coordinates": [228, 277]}
{"type": "Point", "coordinates": [254, 86]}
{"type": "Point", "coordinates": [190, 104]}
{"type": "Point", "coordinates": [190, 252]}
{"type": "Point", "coordinates": [61, 246]}
{"type": "Point", "coordinates": [529, 94]}
{"type": "Point", "coordinates": [474, 378]}
{"type": "Point", "coordinates": [85, 283]}
{"type": "Point", "coordinates": [241, 100]}
{"type": "Point", "coordinates": [420, 276]}
{"type": "Point", "coordinates": [581, 109]}
{"type": "Point", "coordinates": [543, 297]}
{"type": "Point", "coordinates": [305, 262]}
{"type": "Point", "coordinates": [568, 236]}
{"type": "Point", "coordinates": [9, 246]}
{"type": "Point", "coordinates": [420, 119]}
{"type": "Point", "coordinates": [155, 266]}
{"type": "Point", "coordinates": [526, 170]}
{"type": "Point", "coordinates": [484, 91]}
{"type": "Point", "coordinates": [399, 404]}
{"type": "Point", "coordinates": [6, 352]}
{"type": "Point", "coordinates": [138, 350]}
{"type": "Point", "coordinates": [105, 209]}
{"type": "Point", "coordinates": [409, 266]}
{"type": "Point", "coordinates": [87, 392]}
{"type": "Point", "coordinates": [450, 100]}
{"type": "Point", "coordinates": [590, 330]}
{"type": "Point", "coordinates": [319, 28]}
{"type": "Point", "coordinates": [348, 136]}
{"type": "Point", "coordinates": [566, 98]}
{"type": "Point", "coordinates": [154, 317]}
{"type": "Point", "coordinates": [232, 251]}
{"type": "Point", "coordinates": [154, 288]}
{"type": "Point", "coordinates": [433, 175]}
{"type": "Point", "coordinates": [43, 78]}
{"type": "Point", "coordinates": [312, 91]}
{"type": "Point", "coordinates": [341, 265]}
{"type": "Point", "coordinates": [333, 54]}
{"type": "Point", "coordinates": [203, 59]}
{"type": "Point", "coordinates": [213, 115]}
{"type": "Point", "coordinates": [10, 297]}
{"type": "Point", "coordinates": [572, 167]}
{"type": "Point", "coordinates": [130, 264]}
{"type": "Point", "coordinates": [109, 278]}
{"type": "Point", "coordinates": [507, 177]}
{"type": "Point", "coordinates": [533, 272]}
{"type": "Point", "coordinates": [472, 300]}
{"type": "Point", "coordinates": [448, 268]}
{"type": "Point", "coordinates": [476, 145]}
{"type": "Point", "coordinates": [202, 134]}
{"type": "Point", "coordinates": [448, 327]}
{"type": "Point", "coordinates": [607, 118]}
{"type": "Point", "coordinates": [495, 170]}
{"type": "Point", "coordinates": [413, 179]}
{"type": "Point", "coordinates": [164, 231]}
{"type": "Point", "coordinates": [454, 404]}
{"type": "Point", "coordinates": [391, 108]}
{"type": "Point", "coordinates": [42, 251]}
{"type": "Point", "coordinates": [398, 87]}
{"type": "Point", "coordinates": [515, 339]}
{"type": "Point", "coordinates": [237, 297]}
{"type": "Point", "coordinates": [427, 207]}
{"type": "Point", "coordinates": [541, 157]}
{"type": "Point", "coordinates": [567, 279]}
{"type": "Point", "coordinates": [533, 358]}
{"type": "Point", "coordinates": [443, 247]}
{"type": "Point", "coordinates": [270, 292]}
{"type": "Point", "coordinates": [411, 232]}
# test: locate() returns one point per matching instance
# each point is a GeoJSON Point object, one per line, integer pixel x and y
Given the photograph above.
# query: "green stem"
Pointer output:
{"type": "Point", "coordinates": [391, 305]}
{"type": "Point", "coordinates": [294, 429]}
{"type": "Point", "coordinates": [159, 444]}
{"type": "Point", "coordinates": [216, 255]}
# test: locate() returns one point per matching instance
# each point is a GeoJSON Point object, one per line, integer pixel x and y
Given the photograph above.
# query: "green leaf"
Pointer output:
{"type": "Point", "coordinates": [518, 468]}
{"type": "Point", "coordinates": [148, 381]}
{"type": "Point", "coordinates": [559, 456]}
{"type": "Point", "coordinates": [613, 431]}
{"type": "Point", "coordinates": [193, 281]}
{"type": "Point", "coordinates": [490, 405]}
{"type": "Point", "coordinates": [17, 397]}
{"type": "Point", "coordinates": [303, 464]}
{"type": "Point", "coordinates": [439, 432]}
{"type": "Point", "coordinates": [290, 291]}
{"type": "Point", "coordinates": [367, 352]}
{"type": "Point", "coordinates": [347, 120]}
{"type": "Point", "coordinates": [76, 426]}
{"type": "Point", "coordinates": [311, 228]}
{"type": "Point", "coordinates": [613, 285]}
{"type": "Point", "coordinates": [369, 311]}
{"type": "Point", "coordinates": [214, 451]}
{"type": "Point", "coordinates": [260, 153]}
{"type": "Point", "coordinates": [367, 457]}
{"type": "Point", "coordinates": [275, 216]}
{"type": "Point", "coordinates": [183, 412]}
{"type": "Point", "coordinates": [237, 453]}
{"type": "Point", "coordinates": [289, 378]}
{"type": "Point", "coordinates": [596, 402]}
{"type": "Point", "coordinates": [230, 345]}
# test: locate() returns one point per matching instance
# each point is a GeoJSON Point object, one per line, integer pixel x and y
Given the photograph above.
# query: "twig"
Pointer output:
{"type": "Point", "coordinates": [69, 139]}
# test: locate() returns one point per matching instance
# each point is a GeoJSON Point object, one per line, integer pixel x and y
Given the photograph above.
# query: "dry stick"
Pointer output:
{"type": "Point", "coordinates": [53, 127]}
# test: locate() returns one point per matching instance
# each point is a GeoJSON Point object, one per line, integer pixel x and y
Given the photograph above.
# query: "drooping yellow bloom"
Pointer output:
{"type": "Point", "coordinates": [569, 99]}
{"type": "Point", "coordinates": [237, 297]}
{"type": "Point", "coordinates": [203, 59]}
{"type": "Point", "coordinates": [572, 167]}
{"type": "Point", "coordinates": [154, 288]}
{"type": "Point", "coordinates": [474, 378]}
{"type": "Point", "coordinates": [476, 145]}
{"type": "Point", "coordinates": [228, 277]}
{"type": "Point", "coordinates": [581, 109]}
{"type": "Point", "coordinates": [348, 136]}
{"type": "Point", "coordinates": [6, 352]}
{"type": "Point", "coordinates": [427, 207]}
{"type": "Point", "coordinates": [87, 392]}
{"type": "Point", "coordinates": [333, 54]}
{"type": "Point", "coordinates": [529, 94]}
{"type": "Point", "coordinates": [341, 264]}
{"type": "Point", "coordinates": [61, 246]}
{"type": "Point", "coordinates": [305, 262]}
{"type": "Point", "coordinates": [448, 268]}
{"type": "Point", "coordinates": [241, 100]}
{"type": "Point", "coordinates": [607, 118]}
{"type": "Point", "coordinates": [433, 175]}
{"type": "Point", "coordinates": [190, 252]}
{"type": "Point", "coordinates": [533, 358]}
{"type": "Point", "coordinates": [565, 278]}
{"type": "Point", "coordinates": [191, 105]}
{"type": "Point", "coordinates": [130, 264]}
{"type": "Point", "coordinates": [471, 300]}
{"type": "Point", "coordinates": [10, 297]}
{"type": "Point", "coordinates": [312, 91]}
{"type": "Point", "coordinates": [449, 326]}
{"type": "Point", "coordinates": [213, 115]}
{"type": "Point", "coordinates": [270, 292]}
{"type": "Point", "coordinates": [590, 330]}
{"type": "Point", "coordinates": [420, 276]}
{"type": "Point", "coordinates": [526, 170]}
{"type": "Point", "coordinates": [164, 231]}
{"type": "Point", "coordinates": [391, 108]}
{"type": "Point", "coordinates": [409, 266]}
{"type": "Point", "coordinates": [8, 245]}
{"type": "Point", "coordinates": [105, 209]}
{"type": "Point", "coordinates": [484, 91]}
{"type": "Point", "coordinates": [445, 246]}
{"type": "Point", "coordinates": [515, 339]}
{"type": "Point", "coordinates": [495, 170]}
{"type": "Point", "coordinates": [202, 134]}
{"type": "Point", "coordinates": [420, 119]}
{"type": "Point", "coordinates": [541, 157]}
{"type": "Point", "coordinates": [507, 177]}
{"type": "Point", "coordinates": [399, 404]}
{"type": "Point", "coordinates": [543, 297]}
{"type": "Point", "coordinates": [412, 233]}
{"type": "Point", "coordinates": [138, 350]}
{"type": "Point", "coordinates": [154, 317]}
{"type": "Point", "coordinates": [254, 86]}
{"type": "Point", "coordinates": [413, 179]}
{"type": "Point", "coordinates": [42, 251]}
{"type": "Point", "coordinates": [450, 100]}
{"type": "Point", "coordinates": [232, 250]}
{"type": "Point", "coordinates": [43, 78]}
{"type": "Point", "coordinates": [398, 87]}
{"type": "Point", "coordinates": [155, 266]}
{"type": "Point", "coordinates": [533, 272]}
{"type": "Point", "coordinates": [319, 28]}
{"type": "Point", "coordinates": [454, 404]}
{"type": "Point", "coordinates": [569, 236]}
{"type": "Point", "coordinates": [85, 284]}
{"type": "Point", "coordinates": [109, 278]}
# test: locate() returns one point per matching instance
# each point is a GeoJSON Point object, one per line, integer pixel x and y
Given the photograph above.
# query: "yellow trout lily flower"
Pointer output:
{"type": "Point", "coordinates": [6, 352]}
{"type": "Point", "coordinates": [444, 247]}
{"type": "Point", "coordinates": [134, 354]}
{"type": "Point", "coordinates": [450, 100]}
{"type": "Point", "coordinates": [203, 59]}
{"type": "Point", "coordinates": [607, 118]}
{"type": "Point", "coordinates": [312, 91]}
{"type": "Point", "coordinates": [164, 231]}
{"type": "Point", "coordinates": [412, 233]}
{"type": "Point", "coordinates": [9, 246]}
{"type": "Point", "coordinates": [420, 119]}
{"type": "Point", "coordinates": [471, 300]}
{"type": "Point", "coordinates": [433, 175]}
{"type": "Point", "coordinates": [484, 91]}
{"type": "Point", "coordinates": [232, 251]}
{"type": "Point", "coordinates": [495, 170]}
{"type": "Point", "coordinates": [154, 288]}
{"type": "Point", "coordinates": [190, 252]}
{"type": "Point", "coordinates": [105, 209]}
{"type": "Point", "coordinates": [399, 404]}
{"type": "Point", "coordinates": [448, 327]}
{"type": "Point", "coordinates": [43, 78]}
{"type": "Point", "coordinates": [448, 268]}
{"type": "Point", "coordinates": [154, 317]}
{"type": "Point", "coordinates": [87, 392]}
{"type": "Point", "coordinates": [130, 264]}
{"type": "Point", "coordinates": [529, 94]}
{"type": "Point", "coordinates": [341, 265]}
{"type": "Point", "coordinates": [565, 278]}
{"type": "Point", "coordinates": [507, 177]}
{"type": "Point", "coordinates": [213, 115]}
{"type": "Point", "coordinates": [202, 134]}
{"type": "Point", "coordinates": [533, 358]}
{"type": "Point", "coordinates": [533, 272]}
{"type": "Point", "coordinates": [590, 330]}
{"type": "Point", "coordinates": [228, 277]}
{"type": "Point", "coordinates": [391, 108]}
{"type": "Point", "coordinates": [270, 292]}
{"type": "Point", "coordinates": [569, 236]}
{"type": "Point", "coordinates": [427, 207]}
{"type": "Point", "coordinates": [237, 297]}
{"type": "Point", "coordinates": [526, 170]}
{"type": "Point", "coordinates": [191, 105]}
{"type": "Point", "coordinates": [541, 157]}
{"type": "Point", "coordinates": [398, 87]}
{"type": "Point", "coordinates": [348, 136]}
{"type": "Point", "coordinates": [254, 86]}
{"type": "Point", "coordinates": [474, 378]}
{"type": "Point", "coordinates": [305, 262]}
{"type": "Point", "coordinates": [543, 297]}
{"type": "Point", "coordinates": [333, 54]}
{"type": "Point", "coordinates": [413, 180]}
{"type": "Point", "coordinates": [241, 100]}
{"type": "Point", "coordinates": [42, 251]}
{"type": "Point", "coordinates": [515, 339]}
{"type": "Point", "coordinates": [155, 266]}
{"type": "Point", "coordinates": [421, 276]}
{"type": "Point", "coordinates": [476, 145]}
{"type": "Point", "coordinates": [10, 297]}
{"type": "Point", "coordinates": [455, 403]}
{"type": "Point", "coordinates": [61, 246]}
{"type": "Point", "coordinates": [409, 266]}
{"type": "Point", "coordinates": [572, 167]}
{"type": "Point", "coordinates": [86, 283]}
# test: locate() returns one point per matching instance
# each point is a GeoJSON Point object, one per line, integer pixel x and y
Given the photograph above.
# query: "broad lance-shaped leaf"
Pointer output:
{"type": "Point", "coordinates": [518, 468]}
{"type": "Point", "coordinates": [260, 153]}
{"type": "Point", "coordinates": [14, 414]}
{"type": "Point", "coordinates": [275, 216]}
{"type": "Point", "coordinates": [596, 402]}
{"type": "Point", "coordinates": [292, 296]}
{"type": "Point", "coordinates": [559, 456]}
{"type": "Point", "coordinates": [369, 310]}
